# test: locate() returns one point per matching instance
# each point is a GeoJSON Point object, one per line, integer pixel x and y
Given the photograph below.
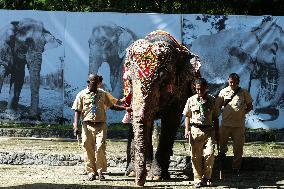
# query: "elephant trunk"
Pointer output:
{"type": "Point", "coordinates": [95, 61]}
{"type": "Point", "coordinates": [2, 76]}
{"type": "Point", "coordinates": [140, 133]}
{"type": "Point", "coordinates": [34, 61]}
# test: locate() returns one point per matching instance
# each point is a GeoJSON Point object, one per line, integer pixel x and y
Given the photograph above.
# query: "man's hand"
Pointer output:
{"type": "Point", "coordinates": [187, 134]}
{"type": "Point", "coordinates": [128, 109]}
{"type": "Point", "coordinates": [76, 130]}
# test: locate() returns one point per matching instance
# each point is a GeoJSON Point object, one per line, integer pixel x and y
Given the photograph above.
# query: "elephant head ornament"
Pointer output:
{"type": "Point", "coordinates": [159, 71]}
{"type": "Point", "coordinates": [107, 44]}
{"type": "Point", "coordinates": [22, 43]}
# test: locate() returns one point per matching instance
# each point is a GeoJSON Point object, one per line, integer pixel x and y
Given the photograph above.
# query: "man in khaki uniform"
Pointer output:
{"type": "Point", "coordinates": [90, 107]}
{"type": "Point", "coordinates": [201, 114]}
{"type": "Point", "coordinates": [235, 102]}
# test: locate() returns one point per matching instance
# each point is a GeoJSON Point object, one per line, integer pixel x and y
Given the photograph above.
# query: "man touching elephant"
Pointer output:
{"type": "Point", "coordinates": [90, 108]}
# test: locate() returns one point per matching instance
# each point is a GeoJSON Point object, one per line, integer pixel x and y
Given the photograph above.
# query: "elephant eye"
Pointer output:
{"type": "Point", "coordinates": [161, 74]}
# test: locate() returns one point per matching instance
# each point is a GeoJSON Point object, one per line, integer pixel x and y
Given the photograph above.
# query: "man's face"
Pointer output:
{"type": "Point", "coordinates": [92, 83]}
{"type": "Point", "coordinates": [200, 89]}
{"type": "Point", "coordinates": [233, 83]}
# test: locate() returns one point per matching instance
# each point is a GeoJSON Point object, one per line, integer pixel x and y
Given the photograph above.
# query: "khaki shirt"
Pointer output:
{"type": "Point", "coordinates": [84, 104]}
{"type": "Point", "coordinates": [201, 113]}
{"type": "Point", "coordinates": [113, 99]}
{"type": "Point", "coordinates": [233, 114]}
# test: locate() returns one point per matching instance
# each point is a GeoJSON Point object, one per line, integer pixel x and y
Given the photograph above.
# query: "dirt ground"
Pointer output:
{"type": "Point", "coordinates": [67, 177]}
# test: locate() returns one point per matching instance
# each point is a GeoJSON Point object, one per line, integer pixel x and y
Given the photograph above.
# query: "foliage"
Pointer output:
{"type": "Point", "coordinates": [243, 7]}
{"type": "Point", "coordinates": [113, 126]}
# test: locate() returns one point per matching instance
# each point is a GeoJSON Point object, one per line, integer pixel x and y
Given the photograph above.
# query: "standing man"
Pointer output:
{"type": "Point", "coordinates": [236, 103]}
{"type": "Point", "coordinates": [201, 114]}
{"type": "Point", "coordinates": [90, 108]}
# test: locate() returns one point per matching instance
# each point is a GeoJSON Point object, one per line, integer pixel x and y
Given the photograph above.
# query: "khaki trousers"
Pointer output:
{"type": "Point", "coordinates": [94, 146]}
{"type": "Point", "coordinates": [238, 136]}
{"type": "Point", "coordinates": [202, 152]}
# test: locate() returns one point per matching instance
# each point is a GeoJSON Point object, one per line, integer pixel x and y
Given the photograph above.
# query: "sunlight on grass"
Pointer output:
{"type": "Point", "coordinates": [118, 147]}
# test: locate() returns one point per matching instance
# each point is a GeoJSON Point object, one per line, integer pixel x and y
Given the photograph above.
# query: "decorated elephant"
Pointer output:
{"type": "Point", "coordinates": [107, 44]}
{"type": "Point", "coordinates": [22, 43]}
{"type": "Point", "coordinates": [158, 72]}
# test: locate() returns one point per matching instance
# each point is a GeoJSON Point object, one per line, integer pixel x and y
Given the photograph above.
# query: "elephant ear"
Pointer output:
{"type": "Point", "coordinates": [51, 41]}
{"type": "Point", "coordinates": [125, 39]}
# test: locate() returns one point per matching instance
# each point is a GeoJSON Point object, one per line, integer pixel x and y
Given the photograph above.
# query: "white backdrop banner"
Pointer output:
{"type": "Point", "coordinates": [251, 46]}
{"type": "Point", "coordinates": [45, 58]}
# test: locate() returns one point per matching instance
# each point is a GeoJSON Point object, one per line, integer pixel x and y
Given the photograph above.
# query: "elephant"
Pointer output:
{"type": "Point", "coordinates": [159, 72]}
{"type": "Point", "coordinates": [256, 55]}
{"type": "Point", "coordinates": [107, 44]}
{"type": "Point", "coordinates": [22, 43]}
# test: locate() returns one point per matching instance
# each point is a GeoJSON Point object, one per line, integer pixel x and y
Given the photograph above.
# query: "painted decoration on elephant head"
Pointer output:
{"type": "Point", "coordinates": [149, 57]}
{"type": "Point", "coordinates": [250, 46]}
{"type": "Point", "coordinates": [26, 81]}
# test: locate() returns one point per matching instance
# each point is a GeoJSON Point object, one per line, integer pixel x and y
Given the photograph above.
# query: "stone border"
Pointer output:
{"type": "Point", "coordinates": [176, 162]}
{"type": "Point", "coordinates": [123, 134]}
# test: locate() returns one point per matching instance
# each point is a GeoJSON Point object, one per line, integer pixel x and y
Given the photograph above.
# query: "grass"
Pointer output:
{"type": "Point", "coordinates": [113, 126]}
{"type": "Point", "coordinates": [118, 147]}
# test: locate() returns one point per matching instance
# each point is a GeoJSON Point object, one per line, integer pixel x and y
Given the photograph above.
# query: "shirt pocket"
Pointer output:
{"type": "Point", "coordinates": [238, 102]}
{"type": "Point", "coordinates": [195, 109]}
{"type": "Point", "coordinates": [87, 102]}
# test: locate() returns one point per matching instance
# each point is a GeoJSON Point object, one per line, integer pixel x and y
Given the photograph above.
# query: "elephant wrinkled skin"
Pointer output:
{"type": "Point", "coordinates": [22, 43]}
{"type": "Point", "coordinates": [159, 71]}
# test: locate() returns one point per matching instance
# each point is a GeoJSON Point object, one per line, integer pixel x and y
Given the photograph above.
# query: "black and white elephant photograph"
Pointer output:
{"type": "Point", "coordinates": [254, 50]}
{"type": "Point", "coordinates": [159, 71]}
{"type": "Point", "coordinates": [107, 44]}
{"type": "Point", "coordinates": [22, 44]}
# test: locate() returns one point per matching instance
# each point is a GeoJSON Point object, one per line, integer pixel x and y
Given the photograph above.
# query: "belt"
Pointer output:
{"type": "Point", "coordinates": [201, 126]}
{"type": "Point", "coordinates": [91, 122]}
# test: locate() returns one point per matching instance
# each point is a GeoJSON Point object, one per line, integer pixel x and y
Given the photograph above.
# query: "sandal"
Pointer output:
{"type": "Point", "coordinates": [91, 176]}
{"type": "Point", "coordinates": [208, 182]}
{"type": "Point", "coordinates": [198, 184]}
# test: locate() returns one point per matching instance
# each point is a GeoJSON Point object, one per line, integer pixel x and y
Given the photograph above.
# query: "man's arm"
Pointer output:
{"type": "Point", "coordinates": [120, 108]}
{"type": "Point", "coordinates": [76, 121]}
{"type": "Point", "coordinates": [216, 128]}
{"type": "Point", "coordinates": [187, 130]}
{"type": "Point", "coordinates": [249, 107]}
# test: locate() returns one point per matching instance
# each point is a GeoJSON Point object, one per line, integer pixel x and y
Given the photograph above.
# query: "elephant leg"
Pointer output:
{"type": "Point", "coordinates": [169, 125]}
{"type": "Point", "coordinates": [130, 151]}
{"type": "Point", "coordinates": [2, 76]}
{"type": "Point", "coordinates": [16, 85]}
{"type": "Point", "coordinates": [34, 66]}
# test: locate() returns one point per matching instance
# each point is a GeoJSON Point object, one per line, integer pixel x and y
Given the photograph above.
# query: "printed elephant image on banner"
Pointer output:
{"type": "Point", "coordinates": [251, 46]}
{"type": "Point", "coordinates": [28, 95]}
{"type": "Point", "coordinates": [100, 48]}
{"type": "Point", "coordinates": [107, 45]}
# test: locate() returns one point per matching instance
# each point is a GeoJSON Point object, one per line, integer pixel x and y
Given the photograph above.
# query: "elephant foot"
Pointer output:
{"type": "Point", "coordinates": [160, 177]}
{"type": "Point", "coordinates": [130, 174]}
{"type": "Point", "coordinates": [11, 114]}
{"type": "Point", "coordinates": [139, 183]}
{"type": "Point", "coordinates": [34, 115]}
{"type": "Point", "coordinates": [140, 178]}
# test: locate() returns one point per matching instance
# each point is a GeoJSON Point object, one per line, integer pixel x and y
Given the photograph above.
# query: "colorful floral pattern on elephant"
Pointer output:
{"type": "Point", "coordinates": [148, 58]}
